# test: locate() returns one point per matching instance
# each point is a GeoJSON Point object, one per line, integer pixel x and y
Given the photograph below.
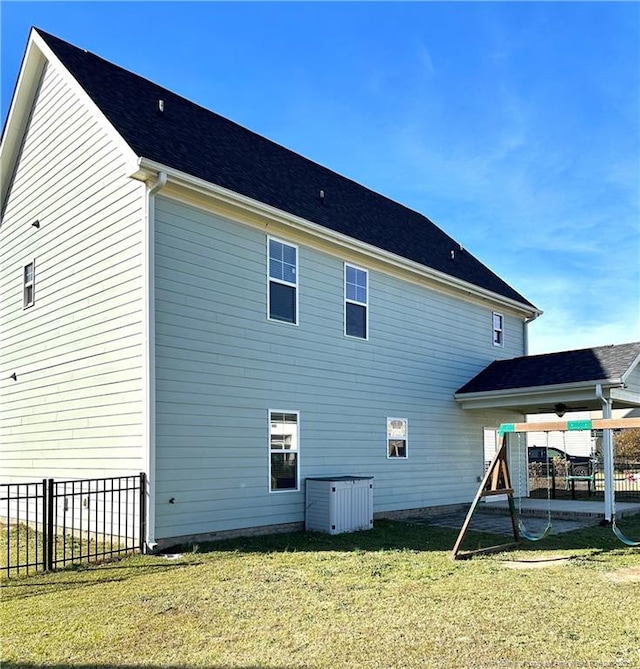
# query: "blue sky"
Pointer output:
{"type": "Point", "coordinates": [513, 126]}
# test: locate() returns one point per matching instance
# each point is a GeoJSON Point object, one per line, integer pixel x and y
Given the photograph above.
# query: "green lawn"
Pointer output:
{"type": "Point", "coordinates": [390, 597]}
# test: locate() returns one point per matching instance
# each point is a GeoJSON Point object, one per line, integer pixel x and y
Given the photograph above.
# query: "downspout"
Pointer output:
{"type": "Point", "coordinates": [150, 357]}
{"type": "Point", "coordinates": [607, 452]}
{"type": "Point", "coordinates": [525, 333]}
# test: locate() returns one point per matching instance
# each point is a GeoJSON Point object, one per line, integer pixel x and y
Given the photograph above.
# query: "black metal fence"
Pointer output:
{"type": "Point", "coordinates": [566, 482]}
{"type": "Point", "coordinates": [49, 524]}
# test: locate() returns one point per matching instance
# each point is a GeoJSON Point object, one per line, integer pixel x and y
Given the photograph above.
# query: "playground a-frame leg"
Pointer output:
{"type": "Point", "coordinates": [496, 481]}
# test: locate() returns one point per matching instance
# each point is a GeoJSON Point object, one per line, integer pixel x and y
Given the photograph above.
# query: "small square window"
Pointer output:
{"type": "Point", "coordinates": [397, 437]}
{"type": "Point", "coordinates": [28, 285]}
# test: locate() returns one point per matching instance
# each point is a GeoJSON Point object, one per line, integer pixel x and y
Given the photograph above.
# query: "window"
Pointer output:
{"type": "Point", "coordinates": [397, 441]}
{"type": "Point", "coordinates": [28, 284]}
{"type": "Point", "coordinates": [283, 282]}
{"type": "Point", "coordinates": [490, 439]}
{"type": "Point", "coordinates": [355, 309]}
{"type": "Point", "coordinates": [283, 450]}
{"type": "Point", "coordinates": [498, 332]}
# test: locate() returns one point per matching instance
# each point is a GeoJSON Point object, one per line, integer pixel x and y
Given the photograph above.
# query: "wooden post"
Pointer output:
{"type": "Point", "coordinates": [496, 481]}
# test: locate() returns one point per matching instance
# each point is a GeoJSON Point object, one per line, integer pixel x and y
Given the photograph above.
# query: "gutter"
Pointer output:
{"type": "Point", "coordinates": [145, 169]}
{"type": "Point", "coordinates": [537, 390]}
{"type": "Point", "coordinates": [149, 355]}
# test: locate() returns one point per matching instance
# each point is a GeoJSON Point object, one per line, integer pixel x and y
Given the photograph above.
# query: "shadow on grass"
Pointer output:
{"type": "Point", "coordinates": [386, 535]}
{"type": "Point", "coordinates": [597, 539]}
{"type": "Point", "coordinates": [83, 576]}
{"type": "Point", "coordinates": [406, 535]}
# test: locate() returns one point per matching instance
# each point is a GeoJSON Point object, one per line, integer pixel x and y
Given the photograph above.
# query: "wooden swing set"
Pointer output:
{"type": "Point", "coordinates": [497, 480]}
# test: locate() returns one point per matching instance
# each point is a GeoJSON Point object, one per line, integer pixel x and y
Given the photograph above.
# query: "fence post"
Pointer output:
{"type": "Point", "coordinates": [142, 529]}
{"type": "Point", "coordinates": [49, 523]}
{"type": "Point", "coordinates": [45, 534]}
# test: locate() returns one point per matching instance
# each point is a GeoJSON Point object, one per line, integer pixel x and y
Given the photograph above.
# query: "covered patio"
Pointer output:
{"type": "Point", "coordinates": [600, 380]}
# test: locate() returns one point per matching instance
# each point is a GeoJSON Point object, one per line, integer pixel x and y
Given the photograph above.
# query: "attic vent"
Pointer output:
{"type": "Point", "coordinates": [160, 105]}
{"type": "Point", "coordinates": [322, 196]}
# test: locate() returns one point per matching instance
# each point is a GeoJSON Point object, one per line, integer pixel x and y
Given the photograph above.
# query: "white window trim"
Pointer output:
{"type": "Point", "coordinates": [406, 439]}
{"type": "Point", "coordinates": [362, 304]}
{"type": "Point", "coordinates": [281, 281]}
{"type": "Point", "coordinates": [26, 284]}
{"type": "Point", "coordinates": [297, 452]}
{"type": "Point", "coordinates": [494, 329]}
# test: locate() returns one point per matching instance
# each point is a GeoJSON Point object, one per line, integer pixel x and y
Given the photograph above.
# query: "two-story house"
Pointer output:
{"type": "Point", "coordinates": [184, 297]}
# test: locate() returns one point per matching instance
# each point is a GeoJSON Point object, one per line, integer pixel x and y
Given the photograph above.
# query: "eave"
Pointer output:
{"type": "Point", "coordinates": [37, 56]}
{"type": "Point", "coordinates": [543, 399]}
{"type": "Point", "coordinates": [270, 217]}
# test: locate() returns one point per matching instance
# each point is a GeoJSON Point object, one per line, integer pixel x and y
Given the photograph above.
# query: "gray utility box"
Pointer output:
{"type": "Point", "coordinates": [336, 504]}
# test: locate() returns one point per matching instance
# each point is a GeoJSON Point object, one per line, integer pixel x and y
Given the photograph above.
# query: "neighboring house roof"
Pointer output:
{"type": "Point", "coordinates": [533, 383]}
{"type": "Point", "coordinates": [203, 144]}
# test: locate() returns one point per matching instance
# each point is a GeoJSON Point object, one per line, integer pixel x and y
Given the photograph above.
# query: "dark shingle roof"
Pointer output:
{"type": "Point", "coordinates": [199, 142]}
{"type": "Point", "coordinates": [588, 364]}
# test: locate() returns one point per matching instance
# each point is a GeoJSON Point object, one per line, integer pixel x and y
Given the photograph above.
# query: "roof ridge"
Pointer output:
{"type": "Point", "coordinates": [195, 140]}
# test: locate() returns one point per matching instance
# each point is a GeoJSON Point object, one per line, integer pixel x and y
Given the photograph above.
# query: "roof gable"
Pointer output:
{"type": "Point", "coordinates": [602, 363]}
{"type": "Point", "coordinates": [193, 140]}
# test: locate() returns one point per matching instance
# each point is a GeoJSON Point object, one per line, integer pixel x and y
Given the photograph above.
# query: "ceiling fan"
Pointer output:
{"type": "Point", "coordinates": [561, 409]}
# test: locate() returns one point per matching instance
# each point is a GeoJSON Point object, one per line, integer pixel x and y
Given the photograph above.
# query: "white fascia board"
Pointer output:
{"type": "Point", "coordinates": [29, 77]}
{"type": "Point", "coordinates": [146, 169]}
{"type": "Point", "coordinates": [128, 153]}
{"type": "Point", "coordinates": [626, 397]}
{"type": "Point", "coordinates": [631, 369]}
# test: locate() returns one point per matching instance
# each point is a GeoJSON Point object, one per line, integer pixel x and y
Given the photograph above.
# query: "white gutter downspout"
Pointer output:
{"type": "Point", "coordinates": [525, 333]}
{"type": "Point", "coordinates": [607, 452]}
{"type": "Point", "coordinates": [150, 356]}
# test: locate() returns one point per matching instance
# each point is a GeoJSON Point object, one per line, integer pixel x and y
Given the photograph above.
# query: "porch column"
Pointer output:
{"type": "Point", "coordinates": [607, 452]}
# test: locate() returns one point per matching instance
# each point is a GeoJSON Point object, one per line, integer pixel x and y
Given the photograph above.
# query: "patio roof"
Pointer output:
{"type": "Point", "coordinates": [558, 382]}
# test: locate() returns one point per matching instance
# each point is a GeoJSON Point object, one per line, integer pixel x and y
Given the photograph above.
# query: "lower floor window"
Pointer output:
{"type": "Point", "coordinates": [283, 450]}
{"type": "Point", "coordinates": [397, 437]}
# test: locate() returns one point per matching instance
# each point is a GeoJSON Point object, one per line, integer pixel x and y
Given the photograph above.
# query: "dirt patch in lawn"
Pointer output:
{"type": "Point", "coordinates": [625, 575]}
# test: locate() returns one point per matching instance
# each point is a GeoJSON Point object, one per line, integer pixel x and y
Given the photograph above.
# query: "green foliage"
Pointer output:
{"type": "Point", "coordinates": [627, 443]}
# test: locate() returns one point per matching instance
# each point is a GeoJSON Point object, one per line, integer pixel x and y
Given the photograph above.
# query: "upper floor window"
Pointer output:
{"type": "Point", "coordinates": [283, 281]}
{"type": "Point", "coordinates": [397, 437]}
{"type": "Point", "coordinates": [498, 329]}
{"type": "Point", "coordinates": [283, 450]}
{"type": "Point", "coordinates": [356, 300]}
{"type": "Point", "coordinates": [29, 284]}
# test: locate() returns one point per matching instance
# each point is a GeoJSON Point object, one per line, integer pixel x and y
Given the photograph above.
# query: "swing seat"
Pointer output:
{"type": "Point", "coordinates": [620, 535]}
{"type": "Point", "coordinates": [524, 532]}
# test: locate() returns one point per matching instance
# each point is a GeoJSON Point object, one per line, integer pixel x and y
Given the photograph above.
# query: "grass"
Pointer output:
{"type": "Point", "coordinates": [389, 597]}
{"type": "Point", "coordinates": [22, 546]}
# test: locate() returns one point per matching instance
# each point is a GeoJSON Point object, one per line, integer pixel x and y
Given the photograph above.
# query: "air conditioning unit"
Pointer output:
{"type": "Point", "coordinates": [336, 504]}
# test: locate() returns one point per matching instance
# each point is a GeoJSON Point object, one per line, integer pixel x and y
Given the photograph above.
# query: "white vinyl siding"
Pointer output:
{"type": "Point", "coordinates": [75, 410]}
{"type": "Point", "coordinates": [221, 367]}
